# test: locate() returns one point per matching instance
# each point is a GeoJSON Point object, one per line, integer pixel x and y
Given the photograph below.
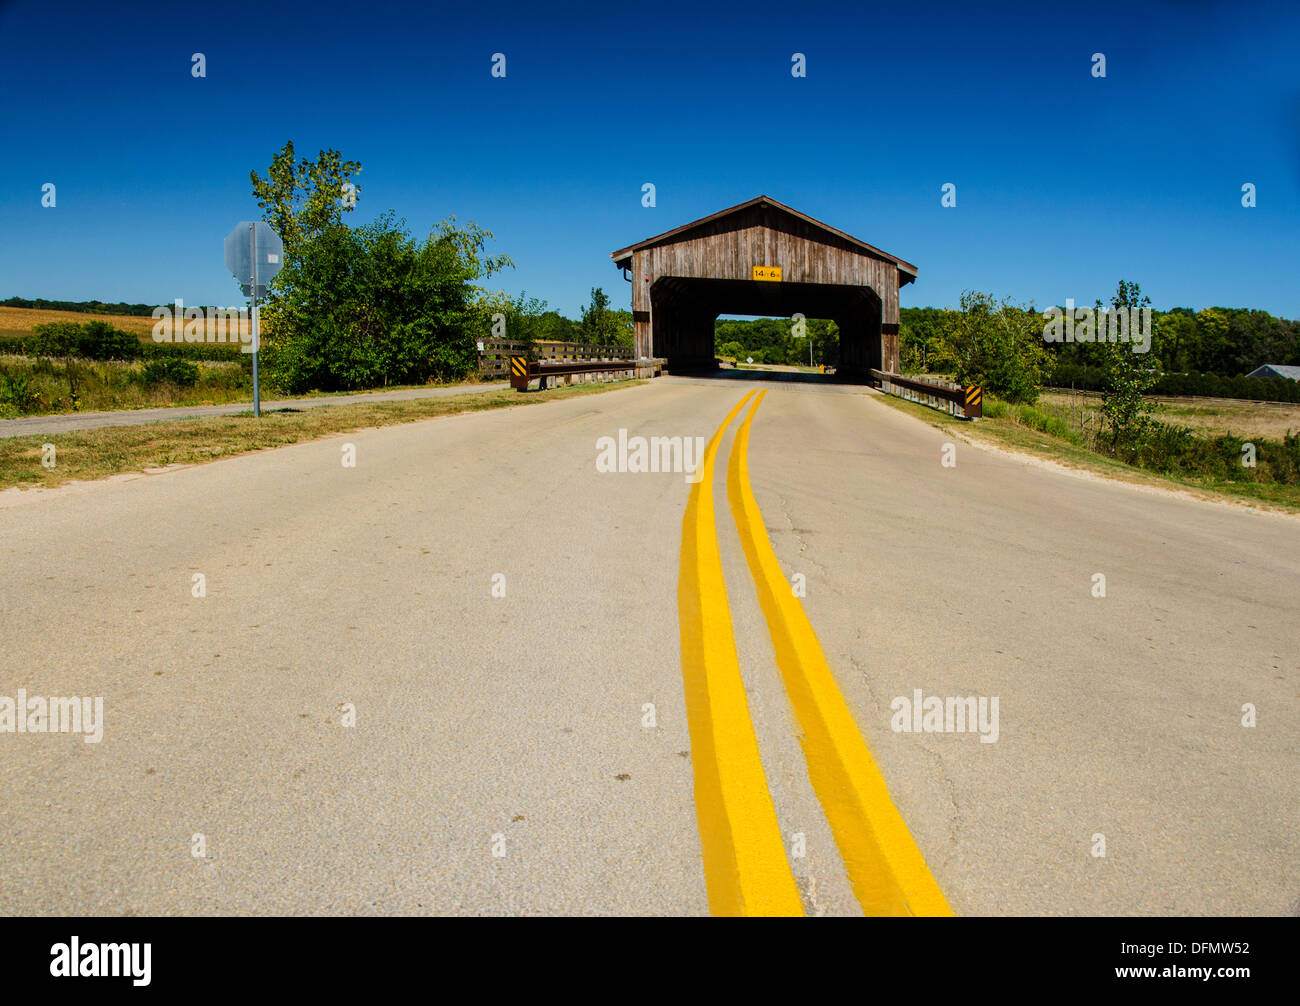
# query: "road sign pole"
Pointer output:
{"type": "Point", "coordinates": [264, 253]}
{"type": "Point", "coordinates": [252, 254]}
{"type": "Point", "coordinates": [257, 393]}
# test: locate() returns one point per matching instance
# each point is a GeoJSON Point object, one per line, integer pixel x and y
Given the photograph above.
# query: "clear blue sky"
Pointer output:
{"type": "Point", "coordinates": [1065, 183]}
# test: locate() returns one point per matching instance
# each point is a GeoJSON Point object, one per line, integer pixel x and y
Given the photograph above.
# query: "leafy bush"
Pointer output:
{"type": "Point", "coordinates": [17, 391]}
{"type": "Point", "coordinates": [181, 373]}
{"type": "Point", "coordinates": [61, 339]}
{"type": "Point", "coordinates": [95, 340]}
{"type": "Point", "coordinates": [222, 352]}
{"type": "Point", "coordinates": [58, 338]}
{"type": "Point", "coordinates": [1125, 408]}
{"type": "Point", "coordinates": [101, 341]}
{"type": "Point", "coordinates": [1174, 450]}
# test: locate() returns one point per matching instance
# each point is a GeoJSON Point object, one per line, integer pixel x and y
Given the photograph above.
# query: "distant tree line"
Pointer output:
{"type": "Point", "coordinates": [80, 306]}
{"type": "Point", "coordinates": [1218, 341]}
{"type": "Point", "coordinates": [1085, 377]}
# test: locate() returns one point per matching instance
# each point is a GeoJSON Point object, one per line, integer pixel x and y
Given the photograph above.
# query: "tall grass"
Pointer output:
{"type": "Point", "coordinates": [41, 386]}
{"type": "Point", "coordinates": [1034, 417]}
{"type": "Point", "coordinates": [1167, 449]}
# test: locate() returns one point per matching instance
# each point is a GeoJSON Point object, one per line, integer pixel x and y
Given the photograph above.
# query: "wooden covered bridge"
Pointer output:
{"type": "Point", "coordinates": [762, 258]}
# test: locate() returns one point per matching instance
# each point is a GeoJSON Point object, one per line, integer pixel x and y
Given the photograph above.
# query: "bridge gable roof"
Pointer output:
{"type": "Point", "coordinates": [708, 227]}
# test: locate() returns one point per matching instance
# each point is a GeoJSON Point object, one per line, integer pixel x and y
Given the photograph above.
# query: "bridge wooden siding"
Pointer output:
{"type": "Point", "coordinates": [683, 279]}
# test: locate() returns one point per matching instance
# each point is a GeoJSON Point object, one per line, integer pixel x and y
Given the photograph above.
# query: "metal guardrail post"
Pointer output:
{"type": "Point", "coordinates": [519, 373]}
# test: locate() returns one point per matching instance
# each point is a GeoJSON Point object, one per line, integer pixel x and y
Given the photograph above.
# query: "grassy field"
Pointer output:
{"type": "Point", "coordinates": [16, 322]}
{"type": "Point", "coordinates": [1070, 446]}
{"type": "Point", "coordinates": [107, 386]}
{"type": "Point", "coordinates": [1201, 415]}
{"type": "Point", "coordinates": [94, 454]}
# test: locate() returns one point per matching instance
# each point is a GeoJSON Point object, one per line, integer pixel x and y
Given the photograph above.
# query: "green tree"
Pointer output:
{"type": "Point", "coordinates": [600, 326]}
{"type": "Point", "coordinates": [370, 306]}
{"type": "Point", "coordinates": [1175, 339]}
{"type": "Point", "coordinates": [1213, 345]}
{"type": "Point", "coordinates": [920, 336]}
{"type": "Point", "coordinates": [554, 327]}
{"type": "Point", "coordinates": [997, 345]}
{"type": "Point", "coordinates": [1126, 412]}
{"type": "Point", "coordinates": [524, 318]}
{"type": "Point", "coordinates": [826, 340]}
{"type": "Point", "coordinates": [301, 198]}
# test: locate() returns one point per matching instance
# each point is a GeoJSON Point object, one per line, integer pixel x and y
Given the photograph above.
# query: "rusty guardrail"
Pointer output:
{"type": "Point", "coordinates": [494, 354]}
{"type": "Point", "coordinates": [524, 370]}
{"type": "Point", "coordinates": [963, 401]}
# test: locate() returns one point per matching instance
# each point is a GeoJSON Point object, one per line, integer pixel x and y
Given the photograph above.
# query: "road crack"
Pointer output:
{"type": "Point", "coordinates": [955, 819]}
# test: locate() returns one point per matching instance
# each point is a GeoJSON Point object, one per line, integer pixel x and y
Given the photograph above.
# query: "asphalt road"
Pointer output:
{"type": "Point", "coordinates": [568, 748]}
{"type": "Point", "coordinates": [68, 422]}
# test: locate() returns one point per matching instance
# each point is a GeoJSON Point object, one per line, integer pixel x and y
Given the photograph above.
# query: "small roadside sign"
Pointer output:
{"type": "Point", "coordinates": [254, 254]}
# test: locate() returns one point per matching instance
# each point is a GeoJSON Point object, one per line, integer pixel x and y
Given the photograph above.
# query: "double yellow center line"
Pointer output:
{"type": "Point", "coordinates": [745, 867]}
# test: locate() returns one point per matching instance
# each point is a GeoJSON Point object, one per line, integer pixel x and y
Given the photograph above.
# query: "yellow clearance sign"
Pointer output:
{"type": "Point", "coordinates": [771, 273]}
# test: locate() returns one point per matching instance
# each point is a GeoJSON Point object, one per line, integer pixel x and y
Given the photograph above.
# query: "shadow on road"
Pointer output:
{"type": "Point", "coordinates": [788, 376]}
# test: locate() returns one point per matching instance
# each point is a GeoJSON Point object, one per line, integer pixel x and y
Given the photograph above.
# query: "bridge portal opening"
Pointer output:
{"type": "Point", "coordinates": [684, 312]}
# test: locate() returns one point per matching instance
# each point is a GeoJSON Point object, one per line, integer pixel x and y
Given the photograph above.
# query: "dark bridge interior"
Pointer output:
{"type": "Point", "coordinates": [684, 310]}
